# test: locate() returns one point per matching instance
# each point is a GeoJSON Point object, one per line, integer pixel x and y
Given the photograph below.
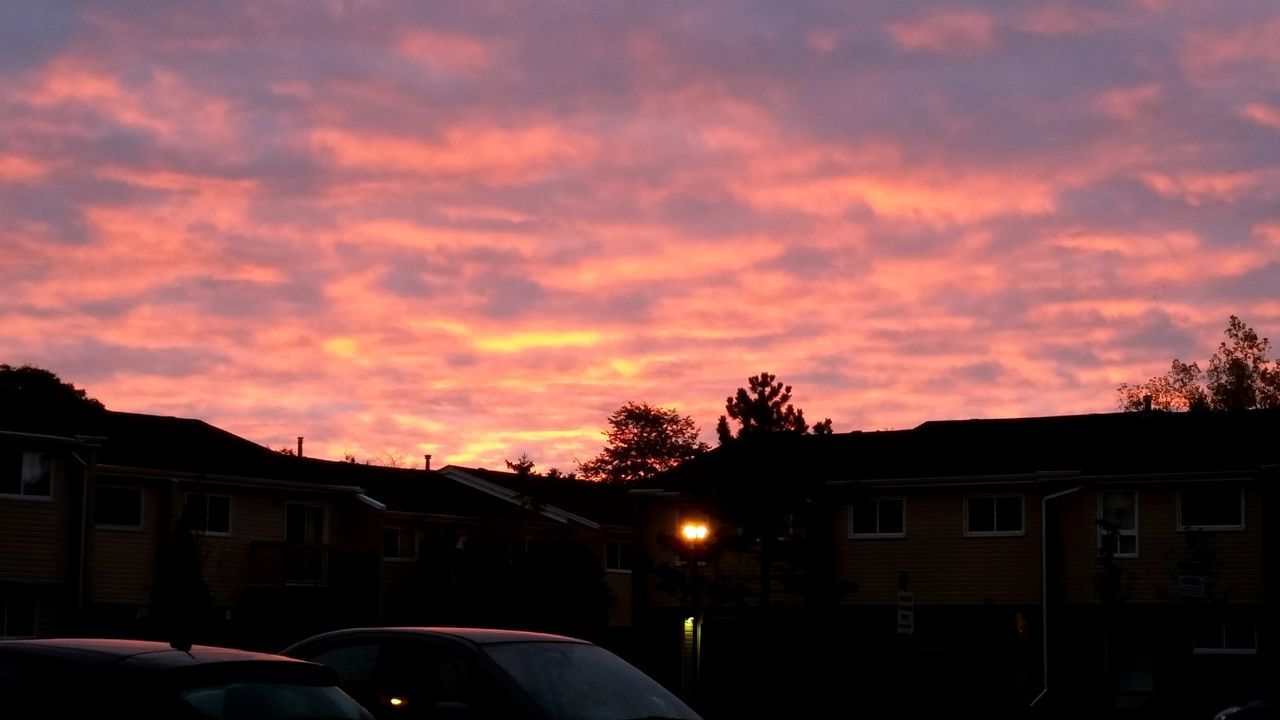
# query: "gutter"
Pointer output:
{"type": "Point", "coordinates": [1044, 588]}
{"type": "Point", "coordinates": [180, 476]}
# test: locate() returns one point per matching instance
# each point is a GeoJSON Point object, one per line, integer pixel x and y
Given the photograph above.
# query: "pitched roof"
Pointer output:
{"type": "Point", "coordinates": [598, 503]}
{"type": "Point", "coordinates": [1094, 444]}
{"type": "Point", "coordinates": [162, 443]}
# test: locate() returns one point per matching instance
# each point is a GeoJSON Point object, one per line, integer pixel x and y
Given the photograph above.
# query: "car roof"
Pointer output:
{"type": "Point", "coordinates": [480, 636]}
{"type": "Point", "coordinates": [178, 661]}
{"type": "Point", "coordinates": [140, 655]}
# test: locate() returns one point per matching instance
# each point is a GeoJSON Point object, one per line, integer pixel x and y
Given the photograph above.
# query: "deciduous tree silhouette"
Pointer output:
{"type": "Point", "coordinates": [643, 441]}
{"type": "Point", "coordinates": [180, 597]}
{"type": "Point", "coordinates": [764, 406]}
{"type": "Point", "coordinates": [1240, 377]}
{"type": "Point", "coordinates": [41, 401]}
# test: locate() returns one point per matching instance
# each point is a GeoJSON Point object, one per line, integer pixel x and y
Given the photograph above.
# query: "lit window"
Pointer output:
{"type": "Point", "coordinates": [1211, 508]}
{"type": "Point", "coordinates": [878, 517]}
{"type": "Point", "coordinates": [1118, 523]}
{"type": "Point", "coordinates": [27, 474]}
{"type": "Point", "coordinates": [993, 515]}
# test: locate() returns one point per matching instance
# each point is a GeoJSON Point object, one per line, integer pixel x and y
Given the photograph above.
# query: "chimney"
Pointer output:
{"type": "Point", "coordinates": [299, 446]}
{"type": "Point", "coordinates": [427, 461]}
{"type": "Point", "coordinates": [1146, 403]}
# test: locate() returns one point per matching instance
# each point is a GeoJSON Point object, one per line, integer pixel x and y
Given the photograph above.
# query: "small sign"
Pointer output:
{"type": "Point", "coordinates": [1191, 586]}
{"type": "Point", "coordinates": [906, 613]}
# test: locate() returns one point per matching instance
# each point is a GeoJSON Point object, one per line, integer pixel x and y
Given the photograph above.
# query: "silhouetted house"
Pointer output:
{"type": "Point", "coordinates": [599, 515]}
{"type": "Point", "coordinates": [151, 525]}
{"type": "Point", "coordinates": [926, 555]}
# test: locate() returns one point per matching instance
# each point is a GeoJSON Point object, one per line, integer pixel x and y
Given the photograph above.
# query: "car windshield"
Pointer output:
{"type": "Point", "coordinates": [573, 681]}
{"type": "Point", "coordinates": [283, 701]}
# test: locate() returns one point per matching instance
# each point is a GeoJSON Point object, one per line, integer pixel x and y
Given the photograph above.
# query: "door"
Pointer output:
{"type": "Point", "coordinates": [306, 560]}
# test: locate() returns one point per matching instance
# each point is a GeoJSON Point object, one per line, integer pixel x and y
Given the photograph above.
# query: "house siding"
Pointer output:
{"type": "Point", "coordinates": [32, 534]}
{"type": "Point", "coordinates": [942, 564]}
{"type": "Point", "coordinates": [1152, 577]}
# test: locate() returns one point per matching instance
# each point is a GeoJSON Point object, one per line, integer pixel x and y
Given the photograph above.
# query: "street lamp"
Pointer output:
{"type": "Point", "coordinates": [694, 534]}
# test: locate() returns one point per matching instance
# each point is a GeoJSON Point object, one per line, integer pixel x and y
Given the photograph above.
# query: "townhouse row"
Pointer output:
{"type": "Point", "coordinates": [152, 520]}
{"type": "Point", "coordinates": [1103, 558]}
{"type": "Point", "coordinates": [1099, 560]}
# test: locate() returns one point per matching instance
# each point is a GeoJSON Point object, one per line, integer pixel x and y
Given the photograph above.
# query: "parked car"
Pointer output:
{"type": "Point", "coordinates": [411, 673]}
{"type": "Point", "coordinates": [68, 678]}
{"type": "Point", "coordinates": [1259, 709]}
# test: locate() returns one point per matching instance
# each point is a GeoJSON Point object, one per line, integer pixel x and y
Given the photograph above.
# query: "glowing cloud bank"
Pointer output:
{"type": "Point", "coordinates": [475, 229]}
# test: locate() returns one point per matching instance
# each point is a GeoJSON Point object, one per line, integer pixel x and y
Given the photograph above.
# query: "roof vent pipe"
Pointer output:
{"type": "Point", "coordinates": [299, 446]}
{"type": "Point", "coordinates": [427, 461]}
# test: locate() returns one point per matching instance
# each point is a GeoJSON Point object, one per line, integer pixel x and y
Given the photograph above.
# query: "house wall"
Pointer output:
{"type": "Point", "coordinates": [1151, 577]}
{"type": "Point", "coordinates": [122, 561]}
{"type": "Point", "coordinates": [943, 566]}
{"type": "Point", "coordinates": [39, 545]}
{"type": "Point", "coordinates": [37, 534]}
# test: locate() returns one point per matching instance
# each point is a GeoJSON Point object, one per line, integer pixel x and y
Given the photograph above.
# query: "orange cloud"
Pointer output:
{"type": "Point", "coordinates": [1129, 103]}
{"type": "Point", "coordinates": [931, 198]}
{"type": "Point", "coordinates": [438, 49]}
{"type": "Point", "coordinates": [496, 154]}
{"type": "Point", "coordinates": [1263, 114]}
{"type": "Point", "coordinates": [1208, 50]}
{"type": "Point", "coordinates": [14, 168]}
{"type": "Point", "coordinates": [947, 32]}
{"type": "Point", "coordinates": [1194, 188]}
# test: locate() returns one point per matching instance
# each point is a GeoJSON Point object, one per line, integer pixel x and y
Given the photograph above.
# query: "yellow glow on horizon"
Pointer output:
{"type": "Point", "coordinates": [625, 367]}
{"type": "Point", "coordinates": [341, 347]}
{"type": "Point", "coordinates": [517, 342]}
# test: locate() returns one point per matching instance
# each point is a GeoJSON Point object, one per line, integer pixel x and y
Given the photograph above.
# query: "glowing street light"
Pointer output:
{"type": "Point", "coordinates": [694, 532]}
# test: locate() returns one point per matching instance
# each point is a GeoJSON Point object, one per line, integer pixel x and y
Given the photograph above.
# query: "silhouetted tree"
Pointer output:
{"type": "Point", "coordinates": [180, 598]}
{"type": "Point", "coordinates": [764, 406]}
{"type": "Point", "coordinates": [522, 466]}
{"type": "Point", "coordinates": [41, 401]}
{"type": "Point", "coordinates": [1240, 377]}
{"type": "Point", "coordinates": [643, 441]}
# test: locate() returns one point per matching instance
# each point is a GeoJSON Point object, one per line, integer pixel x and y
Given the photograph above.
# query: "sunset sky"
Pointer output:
{"type": "Point", "coordinates": [475, 229]}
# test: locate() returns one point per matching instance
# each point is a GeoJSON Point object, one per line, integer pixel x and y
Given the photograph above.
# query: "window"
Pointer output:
{"type": "Point", "coordinates": [617, 557]}
{"type": "Point", "coordinates": [1118, 523]}
{"type": "Point", "coordinates": [1218, 635]}
{"type": "Point", "coordinates": [399, 544]}
{"type": "Point", "coordinates": [209, 514]}
{"type": "Point", "coordinates": [993, 515]}
{"type": "Point", "coordinates": [1211, 508]}
{"type": "Point", "coordinates": [878, 517]}
{"type": "Point", "coordinates": [17, 618]}
{"type": "Point", "coordinates": [117, 507]}
{"type": "Point", "coordinates": [27, 474]}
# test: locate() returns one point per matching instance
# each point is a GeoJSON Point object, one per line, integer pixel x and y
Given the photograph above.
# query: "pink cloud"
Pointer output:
{"type": "Point", "coordinates": [498, 154]}
{"type": "Point", "coordinates": [400, 235]}
{"type": "Point", "coordinates": [955, 32]}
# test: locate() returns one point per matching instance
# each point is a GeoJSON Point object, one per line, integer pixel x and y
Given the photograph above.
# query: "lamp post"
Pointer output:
{"type": "Point", "coordinates": [694, 534]}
